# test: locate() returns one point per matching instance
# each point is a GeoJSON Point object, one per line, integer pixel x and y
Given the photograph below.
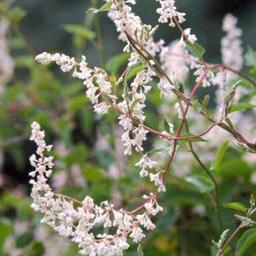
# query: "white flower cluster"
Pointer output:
{"type": "Point", "coordinates": [232, 52]}
{"type": "Point", "coordinates": [176, 61]}
{"type": "Point", "coordinates": [80, 221]}
{"type": "Point", "coordinates": [133, 104]}
{"type": "Point", "coordinates": [95, 80]}
{"type": "Point", "coordinates": [169, 14]}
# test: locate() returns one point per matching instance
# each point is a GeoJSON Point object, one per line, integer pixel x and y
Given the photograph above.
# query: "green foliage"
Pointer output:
{"type": "Point", "coordinates": [236, 206]}
{"type": "Point", "coordinates": [245, 241]}
{"type": "Point", "coordinates": [219, 157]}
{"type": "Point", "coordinates": [79, 30]}
{"type": "Point", "coordinates": [195, 49]}
{"type": "Point", "coordinates": [6, 229]}
{"type": "Point", "coordinates": [202, 183]}
{"type": "Point", "coordinates": [133, 71]}
{"type": "Point", "coordinates": [115, 63]}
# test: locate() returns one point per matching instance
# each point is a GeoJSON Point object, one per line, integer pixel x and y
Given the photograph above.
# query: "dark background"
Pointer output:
{"type": "Point", "coordinates": [44, 20]}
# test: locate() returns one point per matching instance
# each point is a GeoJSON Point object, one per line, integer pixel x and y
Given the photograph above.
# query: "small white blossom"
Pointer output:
{"type": "Point", "coordinates": [190, 37]}
{"type": "Point", "coordinates": [137, 234]}
{"type": "Point", "coordinates": [232, 52]}
{"type": "Point", "coordinates": [145, 221]}
{"type": "Point", "coordinates": [168, 12]}
{"type": "Point", "coordinates": [157, 179]}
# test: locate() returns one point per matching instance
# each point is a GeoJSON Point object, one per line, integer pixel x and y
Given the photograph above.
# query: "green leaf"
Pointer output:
{"type": "Point", "coordinates": [37, 249]}
{"type": "Point", "coordinates": [24, 239]}
{"type": "Point", "coordinates": [25, 61]}
{"type": "Point", "coordinates": [140, 250]}
{"type": "Point", "coordinates": [133, 71]}
{"type": "Point", "coordinates": [168, 127]}
{"type": "Point", "coordinates": [5, 230]}
{"type": "Point", "coordinates": [114, 63]}
{"type": "Point", "coordinates": [80, 30]}
{"type": "Point", "coordinates": [104, 8]}
{"type": "Point", "coordinates": [195, 49]}
{"type": "Point", "coordinates": [253, 71]}
{"type": "Point", "coordinates": [197, 106]}
{"type": "Point", "coordinates": [77, 156]}
{"type": "Point", "coordinates": [16, 14]}
{"type": "Point", "coordinates": [77, 103]}
{"type": "Point", "coordinates": [232, 91]}
{"type": "Point", "coordinates": [236, 206]}
{"type": "Point", "coordinates": [250, 57]}
{"type": "Point", "coordinates": [245, 241]}
{"type": "Point", "coordinates": [234, 167]}
{"type": "Point", "coordinates": [92, 173]}
{"type": "Point", "coordinates": [219, 156]}
{"type": "Point", "coordinates": [202, 183]}
{"type": "Point", "coordinates": [205, 102]}
{"type": "Point", "coordinates": [240, 107]}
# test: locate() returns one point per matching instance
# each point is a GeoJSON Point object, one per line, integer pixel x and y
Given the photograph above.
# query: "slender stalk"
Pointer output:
{"type": "Point", "coordinates": [209, 174]}
{"type": "Point", "coordinates": [229, 240]}
{"type": "Point", "coordinates": [99, 44]}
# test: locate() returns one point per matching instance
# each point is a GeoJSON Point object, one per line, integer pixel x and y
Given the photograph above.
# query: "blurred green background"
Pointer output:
{"type": "Point", "coordinates": [44, 21]}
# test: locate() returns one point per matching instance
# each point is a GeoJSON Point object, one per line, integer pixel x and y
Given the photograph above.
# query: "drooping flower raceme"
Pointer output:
{"type": "Point", "coordinates": [78, 220]}
{"type": "Point", "coordinates": [232, 52]}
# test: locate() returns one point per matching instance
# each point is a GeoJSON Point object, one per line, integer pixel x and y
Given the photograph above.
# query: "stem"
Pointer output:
{"type": "Point", "coordinates": [240, 73]}
{"type": "Point", "coordinates": [209, 174]}
{"type": "Point", "coordinates": [229, 240]}
{"type": "Point", "coordinates": [99, 45]}
{"type": "Point", "coordinates": [161, 73]}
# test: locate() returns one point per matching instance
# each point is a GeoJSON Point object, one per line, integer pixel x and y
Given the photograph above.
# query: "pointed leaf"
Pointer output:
{"type": "Point", "coordinates": [219, 156]}
{"type": "Point", "coordinates": [241, 107]}
{"type": "Point", "coordinates": [80, 30]}
{"type": "Point", "coordinates": [133, 71]}
{"type": "Point", "coordinates": [114, 63]}
{"type": "Point", "coordinates": [202, 183]}
{"type": "Point", "coordinates": [245, 241]}
{"type": "Point", "coordinates": [195, 49]}
{"type": "Point", "coordinates": [236, 206]}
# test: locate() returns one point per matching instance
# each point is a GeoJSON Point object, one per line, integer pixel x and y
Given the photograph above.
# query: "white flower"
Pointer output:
{"type": "Point", "coordinates": [145, 221]}
{"type": "Point", "coordinates": [158, 181]}
{"type": "Point", "coordinates": [139, 136]}
{"type": "Point", "coordinates": [101, 108]}
{"type": "Point", "coordinates": [152, 207]}
{"type": "Point", "coordinates": [175, 60]}
{"type": "Point", "coordinates": [165, 87]}
{"type": "Point", "coordinates": [168, 12]}
{"type": "Point", "coordinates": [145, 163]}
{"type": "Point", "coordinates": [137, 234]}
{"type": "Point", "coordinates": [118, 218]}
{"type": "Point", "coordinates": [44, 58]}
{"type": "Point", "coordinates": [232, 52]}
{"type": "Point", "coordinates": [65, 62]}
{"type": "Point", "coordinates": [190, 37]}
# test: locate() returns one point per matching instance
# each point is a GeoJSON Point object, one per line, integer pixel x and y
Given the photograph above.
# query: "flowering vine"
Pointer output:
{"type": "Point", "coordinates": [81, 220]}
